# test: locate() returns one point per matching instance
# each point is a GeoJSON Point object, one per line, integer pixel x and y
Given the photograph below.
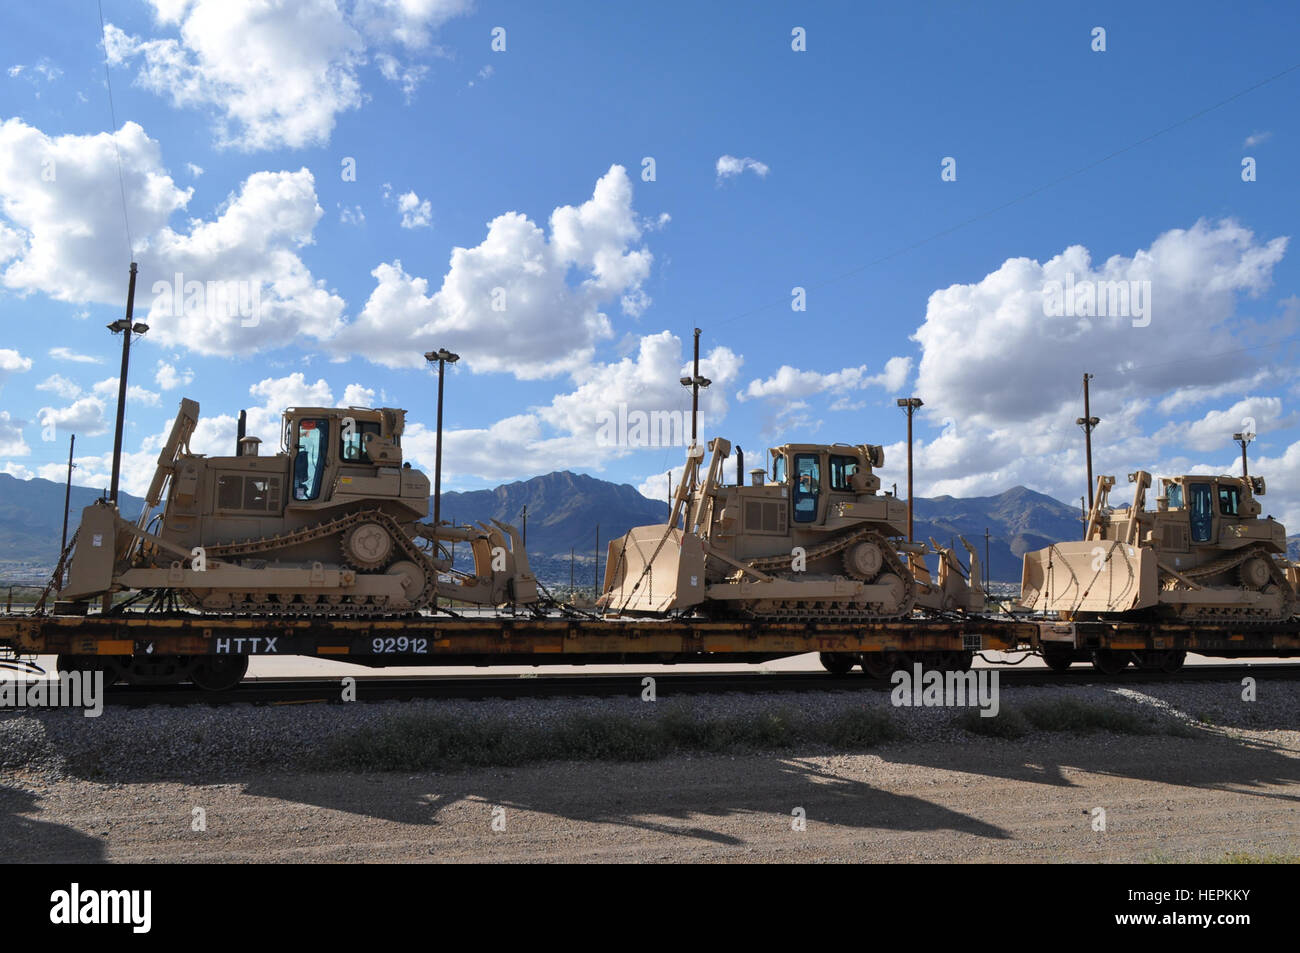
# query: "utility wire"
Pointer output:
{"type": "Point", "coordinates": [112, 113]}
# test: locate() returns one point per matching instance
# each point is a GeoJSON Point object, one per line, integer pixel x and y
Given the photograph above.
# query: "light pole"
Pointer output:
{"type": "Point", "coordinates": [909, 404]}
{"type": "Point", "coordinates": [443, 357]}
{"type": "Point", "coordinates": [1087, 422]}
{"type": "Point", "coordinates": [1243, 438]}
{"type": "Point", "coordinates": [695, 382]}
{"type": "Point", "coordinates": [126, 327]}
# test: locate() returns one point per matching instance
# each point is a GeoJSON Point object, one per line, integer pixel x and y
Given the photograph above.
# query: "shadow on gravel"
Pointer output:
{"type": "Point", "coordinates": [31, 840]}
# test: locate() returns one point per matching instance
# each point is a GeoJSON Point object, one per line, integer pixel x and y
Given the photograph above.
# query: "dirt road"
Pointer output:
{"type": "Point", "coordinates": [979, 800]}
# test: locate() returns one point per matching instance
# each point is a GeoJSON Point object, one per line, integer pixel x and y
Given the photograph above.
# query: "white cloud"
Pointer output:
{"type": "Point", "coordinates": [1004, 381]}
{"type": "Point", "coordinates": [357, 395]}
{"type": "Point", "coordinates": [508, 304]}
{"type": "Point", "coordinates": [351, 214]}
{"type": "Point", "coordinates": [1256, 138]}
{"type": "Point", "coordinates": [415, 213]}
{"type": "Point", "coordinates": [11, 362]}
{"type": "Point", "coordinates": [194, 170]}
{"type": "Point", "coordinates": [565, 434]}
{"type": "Point", "coordinates": [16, 470]}
{"type": "Point", "coordinates": [253, 242]}
{"type": "Point", "coordinates": [729, 167]}
{"type": "Point", "coordinates": [789, 382]}
{"type": "Point", "coordinates": [278, 72]}
{"type": "Point", "coordinates": [64, 354]}
{"type": "Point", "coordinates": [11, 437]}
{"type": "Point", "coordinates": [72, 226]}
{"type": "Point", "coordinates": [60, 385]}
{"type": "Point", "coordinates": [409, 77]}
{"type": "Point", "coordinates": [11, 243]}
{"type": "Point", "coordinates": [168, 378]}
{"type": "Point", "coordinates": [107, 389]}
{"type": "Point", "coordinates": [83, 417]}
{"type": "Point", "coordinates": [987, 345]}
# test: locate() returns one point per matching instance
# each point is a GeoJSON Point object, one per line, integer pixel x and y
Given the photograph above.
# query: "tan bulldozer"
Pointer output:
{"type": "Point", "coordinates": [1204, 553]}
{"type": "Point", "coordinates": [330, 526]}
{"type": "Point", "coordinates": [815, 541]}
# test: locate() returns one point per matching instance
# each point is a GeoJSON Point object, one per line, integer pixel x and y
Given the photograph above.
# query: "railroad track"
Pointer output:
{"type": "Point", "coordinates": [371, 688]}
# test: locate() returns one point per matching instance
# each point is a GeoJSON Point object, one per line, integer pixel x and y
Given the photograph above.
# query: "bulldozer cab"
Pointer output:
{"type": "Point", "coordinates": [332, 447]}
{"type": "Point", "coordinates": [1214, 510]}
{"type": "Point", "coordinates": [818, 477]}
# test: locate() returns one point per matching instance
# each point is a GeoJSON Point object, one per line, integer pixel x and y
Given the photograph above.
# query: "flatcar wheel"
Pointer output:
{"type": "Point", "coordinates": [219, 673]}
{"type": "Point", "coordinates": [1173, 661]}
{"type": "Point", "coordinates": [837, 663]}
{"type": "Point", "coordinates": [1109, 661]}
{"type": "Point", "coordinates": [1058, 660]}
{"type": "Point", "coordinates": [110, 665]}
{"type": "Point", "coordinates": [877, 664]}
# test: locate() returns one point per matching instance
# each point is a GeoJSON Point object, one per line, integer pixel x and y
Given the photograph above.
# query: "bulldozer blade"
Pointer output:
{"type": "Point", "coordinates": [654, 569]}
{"type": "Point", "coordinates": [1089, 576]}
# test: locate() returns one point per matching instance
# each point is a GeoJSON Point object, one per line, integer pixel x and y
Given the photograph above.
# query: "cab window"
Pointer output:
{"type": "Point", "coordinates": [842, 470]}
{"type": "Point", "coordinates": [309, 461]}
{"type": "Point", "coordinates": [1229, 500]}
{"type": "Point", "coordinates": [807, 486]}
{"type": "Point", "coordinates": [1200, 500]}
{"type": "Point", "coordinates": [354, 441]}
{"type": "Point", "coordinates": [1174, 494]}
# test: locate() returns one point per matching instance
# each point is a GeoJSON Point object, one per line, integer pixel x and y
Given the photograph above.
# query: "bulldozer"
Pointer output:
{"type": "Point", "coordinates": [1203, 554]}
{"type": "Point", "coordinates": [815, 541]}
{"type": "Point", "coordinates": [330, 526]}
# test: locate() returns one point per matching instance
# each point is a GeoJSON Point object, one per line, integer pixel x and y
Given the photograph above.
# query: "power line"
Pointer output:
{"type": "Point", "coordinates": [112, 113]}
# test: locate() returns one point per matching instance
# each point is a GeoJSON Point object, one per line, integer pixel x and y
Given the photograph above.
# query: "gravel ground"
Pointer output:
{"type": "Point", "coordinates": [1222, 774]}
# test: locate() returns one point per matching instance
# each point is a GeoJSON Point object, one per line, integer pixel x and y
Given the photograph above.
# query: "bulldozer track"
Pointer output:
{"type": "Point", "coordinates": [1239, 613]}
{"type": "Point", "coordinates": [321, 606]}
{"type": "Point", "coordinates": [839, 611]}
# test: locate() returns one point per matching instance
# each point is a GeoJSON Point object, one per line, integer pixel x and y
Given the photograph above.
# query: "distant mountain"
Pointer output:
{"type": "Point", "coordinates": [1018, 520]}
{"type": "Point", "coordinates": [31, 519]}
{"type": "Point", "coordinates": [563, 511]}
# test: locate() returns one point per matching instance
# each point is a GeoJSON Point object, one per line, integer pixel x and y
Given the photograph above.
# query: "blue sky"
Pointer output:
{"type": "Point", "coordinates": [235, 130]}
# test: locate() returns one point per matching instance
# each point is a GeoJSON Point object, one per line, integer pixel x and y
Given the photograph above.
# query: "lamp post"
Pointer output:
{"type": "Point", "coordinates": [443, 357]}
{"type": "Point", "coordinates": [1244, 438]}
{"type": "Point", "coordinates": [125, 327]}
{"type": "Point", "coordinates": [695, 382]}
{"type": "Point", "coordinates": [1087, 422]}
{"type": "Point", "coordinates": [909, 404]}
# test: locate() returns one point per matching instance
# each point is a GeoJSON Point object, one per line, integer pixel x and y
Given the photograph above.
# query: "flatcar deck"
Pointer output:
{"type": "Point", "coordinates": [557, 639]}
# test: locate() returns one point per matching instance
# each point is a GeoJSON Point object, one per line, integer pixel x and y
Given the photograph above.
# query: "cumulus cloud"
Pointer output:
{"type": "Point", "coordinates": [728, 167]}
{"type": "Point", "coordinates": [508, 303]}
{"type": "Point", "coordinates": [60, 385]}
{"type": "Point", "coordinates": [11, 437]}
{"type": "Point", "coordinates": [85, 416]}
{"type": "Point", "coordinates": [253, 290]}
{"type": "Point", "coordinates": [275, 73]}
{"type": "Point", "coordinates": [416, 213]}
{"type": "Point", "coordinates": [11, 362]}
{"type": "Point", "coordinates": [566, 434]}
{"type": "Point", "coordinates": [169, 378]}
{"type": "Point", "coordinates": [1003, 380]}
{"type": "Point", "coordinates": [790, 382]}
{"type": "Point", "coordinates": [107, 389]}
